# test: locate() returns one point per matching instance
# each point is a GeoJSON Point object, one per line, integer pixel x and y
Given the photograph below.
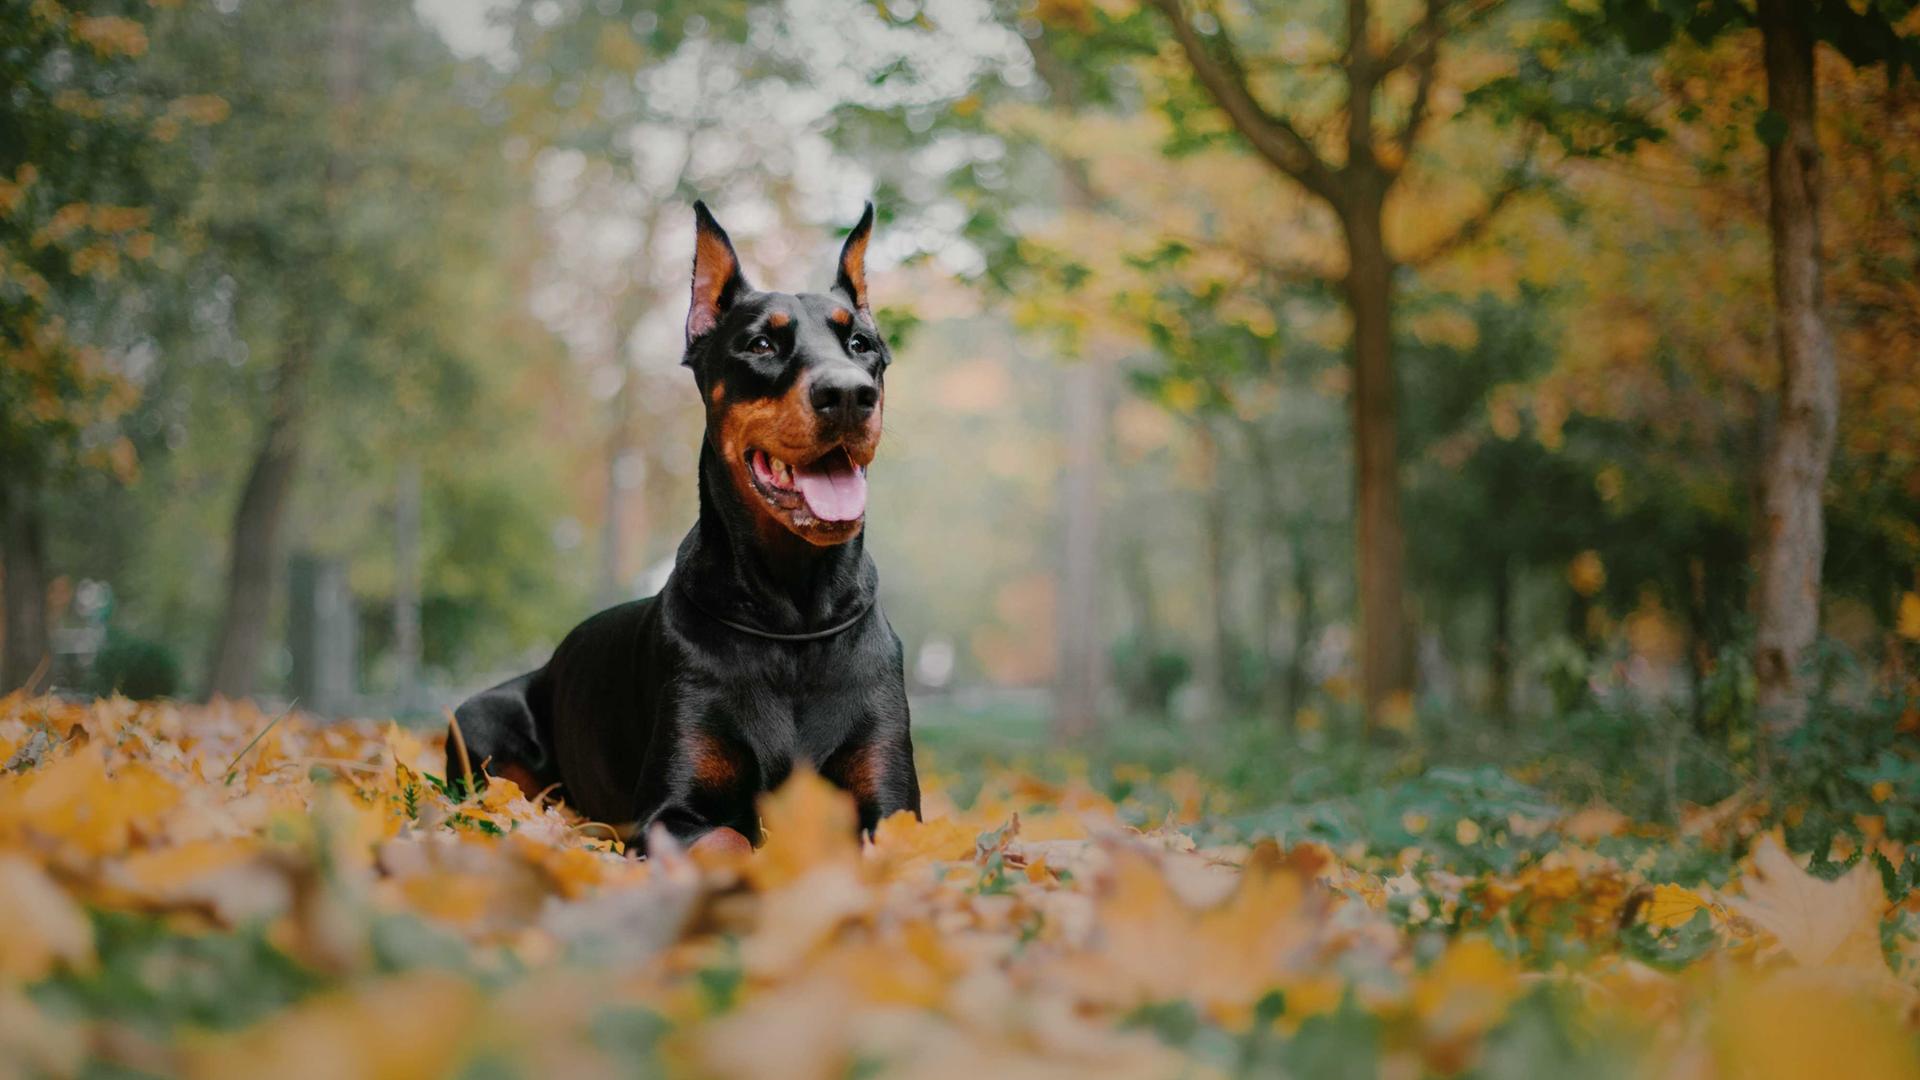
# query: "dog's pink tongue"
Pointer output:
{"type": "Point", "coordinates": [833, 488]}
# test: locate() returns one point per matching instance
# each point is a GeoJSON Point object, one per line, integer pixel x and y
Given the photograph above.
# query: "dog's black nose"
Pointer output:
{"type": "Point", "coordinates": [844, 393]}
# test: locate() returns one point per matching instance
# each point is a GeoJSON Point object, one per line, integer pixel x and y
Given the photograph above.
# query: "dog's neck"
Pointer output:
{"type": "Point", "coordinates": [741, 567]}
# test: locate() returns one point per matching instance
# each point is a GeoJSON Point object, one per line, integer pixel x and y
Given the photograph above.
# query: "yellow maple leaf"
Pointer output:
{"type": "Point", "coordinates": [1673, 905]}
{"type": "Point", "coordinates": [1151, 945]}
{"type": "Point", "coordinates": [809, 823]}
{"type": "Point", "coordinates": [1819, 923]}
{"type": "Point", "coordinates": [901, 843]}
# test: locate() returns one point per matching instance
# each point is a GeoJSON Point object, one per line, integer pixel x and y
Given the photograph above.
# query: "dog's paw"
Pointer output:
{"type": "Point", "coordinates": [722, 841]}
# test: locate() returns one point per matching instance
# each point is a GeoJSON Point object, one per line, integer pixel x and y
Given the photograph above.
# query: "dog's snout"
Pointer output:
{"type": "Point", "coordinates": [844, 394]}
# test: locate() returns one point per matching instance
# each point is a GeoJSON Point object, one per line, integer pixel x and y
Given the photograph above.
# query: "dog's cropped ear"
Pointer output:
{"type": "Point", "coordinates": [852, 278]}
{"type": "Point", "coordinates": [717, 281]}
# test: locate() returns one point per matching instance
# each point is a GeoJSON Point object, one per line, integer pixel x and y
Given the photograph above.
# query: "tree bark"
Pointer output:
{"type": "Point", "coordinates": [1792, 540]}
{"type": "Point", "coordinates": [1356, 190]}
{"type": "Point", "coordinates": [1267, 563]}
{"type": "Point", "coordinates": [1305, 627]}
{"type": "Point", "coordinates": [1080, 675]}
{"type": "Point", "coordinates": [1500, 662]}
{"type": "Point", "coordinates": [1082, 660]}
{"type": "Point", "coordinates": [1216, 655]}
{"type": "Point", "coordinates": [27, 642]}
{"type": "Point", "coordinates": [406, 586]}
{"type": "Point", "coordinates": [255, 551]}
{"type": "Point", "coordinates": [1386, 669]}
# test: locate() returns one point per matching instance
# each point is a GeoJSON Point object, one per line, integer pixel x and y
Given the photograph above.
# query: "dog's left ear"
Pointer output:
{"type": "Point", "coordinates": [852, 278]}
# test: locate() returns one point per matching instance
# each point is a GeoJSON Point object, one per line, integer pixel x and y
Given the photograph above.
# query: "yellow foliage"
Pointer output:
{"type": "Point", "coordinates": [403, 1028]}
{"type": "Point", "coordinates": [44, 928]}
{"type": "Point", "coordinates": [1673, 905]}
{"type": "Point", "coordinates": [1908, 625]}
{"type": "Point", "coordinates": [110, 35]}
{"type": "Point", "coordinates": [1153, 945]}
{"type": "Point", "coordinates": [78, 806]}
{"type": "Point", "coordinates": [1802, 1023]}
{"type": "Point", "coordinates": [808, 824]}
{"type": "Point", "coordinates": [1587, 574]}
{"type": "Point", "coordinates": [1819, 923]}
{"type": "Point", "coordinates": [1015, 937]}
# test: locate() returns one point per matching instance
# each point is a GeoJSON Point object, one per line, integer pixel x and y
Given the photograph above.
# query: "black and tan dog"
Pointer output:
{"type": "Point", "coordinates": [765, 649]}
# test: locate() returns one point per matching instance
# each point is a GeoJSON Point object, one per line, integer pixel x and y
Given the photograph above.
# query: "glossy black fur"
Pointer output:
{"type": "Point", "coordinates": [655, 711]}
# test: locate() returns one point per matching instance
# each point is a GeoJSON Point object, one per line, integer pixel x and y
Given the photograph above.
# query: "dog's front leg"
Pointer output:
{"type": "Point", "coordinates": [876, 768]}
{"type": "Point", "coordinates": [713, 800]}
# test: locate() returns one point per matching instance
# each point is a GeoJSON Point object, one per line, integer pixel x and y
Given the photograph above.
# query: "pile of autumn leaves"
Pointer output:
{"type": "Point", "coordinates": [1029, 934]}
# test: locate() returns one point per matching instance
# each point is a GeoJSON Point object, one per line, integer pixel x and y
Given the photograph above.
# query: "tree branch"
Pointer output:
{"type": "Point", "coordinates": [1272, 137]}
{"type": "Point", "coordinates": [1425, 63]}
{"type": "Point", "coordinates": [1518, 179]}
{"type": "Point", "coordinates": [1362, 77]}
{"type": "Point", "coordinates": [1433, 29]}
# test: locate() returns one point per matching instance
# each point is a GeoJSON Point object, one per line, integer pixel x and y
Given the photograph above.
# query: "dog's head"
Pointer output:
{"type": "Point", "coordinates": [794, 385]}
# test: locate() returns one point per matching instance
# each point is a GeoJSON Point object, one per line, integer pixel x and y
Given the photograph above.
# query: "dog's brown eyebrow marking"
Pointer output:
{"type": "Point", "coordinates": [719, 388]}
{"type": "Point", "coordinates": [841, 316]}
{"type": "Point", "coordinates": [779, 319]}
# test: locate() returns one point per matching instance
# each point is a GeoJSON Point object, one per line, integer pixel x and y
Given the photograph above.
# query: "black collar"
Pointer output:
{"type": "Point", "coordinates": [811, 635]}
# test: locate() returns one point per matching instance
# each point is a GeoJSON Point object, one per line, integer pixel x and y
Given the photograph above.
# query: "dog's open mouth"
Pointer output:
{"type": "Point", "coordinates": [830, 489]}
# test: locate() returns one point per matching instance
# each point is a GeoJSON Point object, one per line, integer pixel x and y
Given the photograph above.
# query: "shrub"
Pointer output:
{"type": "Point", "coordinates": [135, 666]}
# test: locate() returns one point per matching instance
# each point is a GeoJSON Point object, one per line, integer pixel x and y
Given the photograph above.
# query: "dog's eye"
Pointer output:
{"type": "Point", "coordinates": [860, 343]}
{"type": "Point", "coordinates": [761, 345]}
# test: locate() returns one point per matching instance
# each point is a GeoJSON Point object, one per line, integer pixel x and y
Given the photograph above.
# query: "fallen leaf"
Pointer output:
{"type": "Point", "coordinates": [1818, 923]}
{"type": "Point", "coordinates": [44, 930]}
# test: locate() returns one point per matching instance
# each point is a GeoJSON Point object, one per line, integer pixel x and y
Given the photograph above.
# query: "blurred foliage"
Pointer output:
{"type": "Point", "coordinates": [483, 250]}
{"type": "Point", "coordinates": [352, 917]}
{"type": "Point", "coordinates": [135, 667]}
{"type": "Point", "coordinates": [74, 218]}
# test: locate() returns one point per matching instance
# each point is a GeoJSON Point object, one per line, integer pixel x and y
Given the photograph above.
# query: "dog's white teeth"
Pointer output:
{"type": "Point", "coordinates": [783, 474]}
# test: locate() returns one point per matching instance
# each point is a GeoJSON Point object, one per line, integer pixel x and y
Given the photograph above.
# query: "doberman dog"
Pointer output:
{"type": "Point", "coordinates": [765, 648]}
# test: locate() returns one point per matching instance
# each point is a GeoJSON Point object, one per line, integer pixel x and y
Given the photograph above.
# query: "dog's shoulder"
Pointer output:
{"type": "Point", "coordinates": [616, 630]}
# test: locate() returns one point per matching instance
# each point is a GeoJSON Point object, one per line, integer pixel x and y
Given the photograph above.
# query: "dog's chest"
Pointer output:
{"type": "Point", "coordinates": [798, 705]}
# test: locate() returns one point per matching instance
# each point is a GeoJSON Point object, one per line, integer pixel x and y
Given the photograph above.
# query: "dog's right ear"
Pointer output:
{"type": "Point", "coordinates": [717, 281]}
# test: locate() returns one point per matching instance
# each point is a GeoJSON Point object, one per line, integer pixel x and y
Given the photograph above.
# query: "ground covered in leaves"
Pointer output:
{"type": "Point", "coordinates": [181, 894]}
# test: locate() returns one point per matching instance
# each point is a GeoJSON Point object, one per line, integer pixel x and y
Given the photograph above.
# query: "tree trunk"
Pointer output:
{"type": "Point", "coordinates": [255, 549]}
{"type": "Point", "coordinates": [1082, 660]}
{"type": "Point", "coordinates": [1500, 663]}
{"type": "Point", "coordinates": [1304, 627]}
{"type": "Point", "coordinates": [1267, 563]}
{"type": "Point", "coordinates": [1216, 654]}
{"type": "Point", "coordinates": [1699, 648]}
{"type": "Point", "coordinates": [26, 645]}
{"type": "Point", "coordinates": [1080, 655]}
{"type": "Point", "coordinates": [1792, 540]}
{"type": "Point", "coordinates": [1142, 680]}
{"type": "Point", "coordinates": [406, 587]}
{"type": "Point", "coordinates": [255, 544]}
{"type": "Point", "coordinates": [1386, 669]}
